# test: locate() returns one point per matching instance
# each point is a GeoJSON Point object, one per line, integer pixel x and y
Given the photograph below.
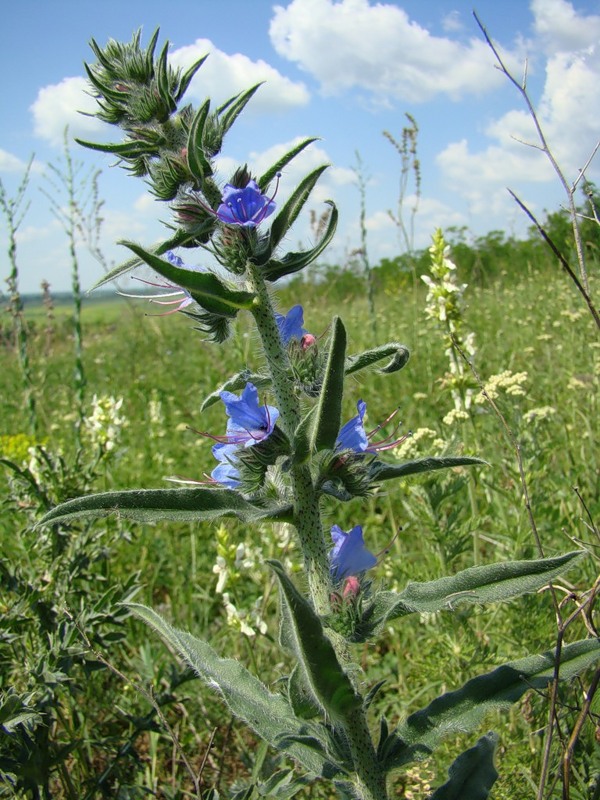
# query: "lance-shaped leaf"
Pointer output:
{"type": "Point", "coordinates": [232, 108]}
{"type": "Point", "coordinates": [184, 80]}
{"type": "Point", "coordinates": [379, 471]}
{"type": "Point", "coordinates": [303, 631]}
{"type": "Point", "coordinates": [163, 80]}
{"type": "Point", "coordinates": [464, 709]}
{"type": "Point", "coordinates": [472, 774]}
{"type": "Point", "coordinates": [206, 289]}
{"type": "Point", "coordinates": [488, 583]}
{"type": "Point", "coordinates": [199, 165]}
{"type": "Point", "coordinates": [288, 214]}
{"type": "Point", "coordinates": [266, 178]}
{"type": "Point", "coordinates": [235, 383]}
{"type": "Point", "coordinates": [270, 715]}
{"type": "Point", "coordinates": [329, 409]}
{"type": "Point", "coordinates": [303, 436]}
{"type": "Point", "coordinates": [397, 354]}
{"type": "Point", "coordinates": [294, 262]}
{"type": "Point", "coordinates": [178, 505]}
{"type": "Point", "coordinates": [179, 239]}
{"type": "Point", "coordinates": [123, 149]}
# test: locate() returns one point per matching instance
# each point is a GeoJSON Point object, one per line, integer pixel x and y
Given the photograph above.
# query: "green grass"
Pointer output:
{"type": "Point", "coordinates": [534, 323]}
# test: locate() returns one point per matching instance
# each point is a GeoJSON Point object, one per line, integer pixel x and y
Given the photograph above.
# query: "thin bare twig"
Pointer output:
{"type": "Point", "coordinates": [563, 261]}
{"type": "Point", "coordinates": [569, 191]}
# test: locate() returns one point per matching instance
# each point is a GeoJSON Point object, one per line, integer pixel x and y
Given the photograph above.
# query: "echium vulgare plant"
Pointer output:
{"type": "Point", "coordinates": [281, 455]}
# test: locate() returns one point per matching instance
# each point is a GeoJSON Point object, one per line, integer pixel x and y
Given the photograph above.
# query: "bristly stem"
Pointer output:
{"type": "Point", "coordinates": [306, 500]}
{"type": "Point", "coordinates": [370, 780]}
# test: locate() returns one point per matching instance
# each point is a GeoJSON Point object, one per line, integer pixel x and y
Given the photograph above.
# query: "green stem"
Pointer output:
{"type": "Point", "coordinates": [306, 499]}
{"type": "Point", "coordinates": [370, 780]}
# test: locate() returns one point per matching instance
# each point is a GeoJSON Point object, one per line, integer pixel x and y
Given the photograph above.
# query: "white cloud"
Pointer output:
{"type": "Point", "coordinates": [452, 22]}
{"type": "Point", "coordinates": [11, 163]}
{"type": "Point", "coordinates": [223, 75]}
{"type": "Point", "coordinates": [568, 112]}
{"type": "Point", "coordinates": [378, 48]}
{"type": "Point", "coordinates": [561, 28]}
{"type": "Point", "coordinates": [59, 105]}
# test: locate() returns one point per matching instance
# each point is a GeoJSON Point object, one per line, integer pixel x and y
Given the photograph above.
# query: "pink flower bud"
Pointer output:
{"type": "Point", "coordinates": [307, 341]}
{"type": "Point", "coordinates": [351, 588]}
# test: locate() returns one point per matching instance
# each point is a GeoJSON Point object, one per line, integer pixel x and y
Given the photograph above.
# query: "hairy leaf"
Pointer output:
{"type": "Point", "coordinates": [397, 354]}
{"type": "Point", "coordinates": [472, 774]}
{"type": "Point", "coordinates": [206, 289]}
{"type": "Point", "coordinates": [302, 628]}
{"type": "Point", "coordinates": [150, 505]}
{"type": "Point", "coordinates": [270, 715]}
{"type": "Point", "coordinates": [488, 583]}
{"type": "Point", "coordinates": [329, 410]}
{"type": "Point", "coordinates": [380, 471]}
{"type": "Point", "coordinates": [266, 178]}
{"type": "Point", "coordinates": [294, 262]}
{"type": "Point", "coordinates": [464, 709]}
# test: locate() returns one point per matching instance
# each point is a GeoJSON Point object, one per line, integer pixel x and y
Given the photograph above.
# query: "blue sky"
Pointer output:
{"type": "Point", "coordinates": [343, 70]}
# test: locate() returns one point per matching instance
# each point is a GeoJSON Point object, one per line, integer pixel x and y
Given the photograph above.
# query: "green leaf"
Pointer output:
{"type": "Point", "coordinates": [234, 384]}
{"type": "Point", "coordinates": [396, 352]}
{"type": "Point", "coordinates": [178, 505]}
{"type": "Point", "coordinates": [380, 471]}
{"type": "Point", "coordinates": [294, 262]}
{"type": "Point", "coordinates": [206, 289]}
{"type": "Point", "coordinates": [123, 150]}
{"type": "Point", "coordinates": [199, 165]}
{"type": "Point", "coordinates": [232, 108]}
{"type": "Point", "coordinates": [180, 238]}
{"type": "Point", "coordinates": [266, 178]}
{"type": "Point", "coordinates": [289, 212]}
{"type": "Point", "coordinates": [185, 79]}
{"type": "Point", "coordinates": [270, 715]}
{"type": "Point", "coordinates": [303, 437]}
{"type": "Point", "coordinates": [302, 628]}
{"type": "Point", "coordinates": [472, 774]}
{"type": "Point", "coordinates": [489, 583]}
{"type": "Point", "coordinates": [162, 79]}
{"type": "Point", "coordinates": [464, 709]}
{"type": "Point", "coordinates": [329, 410]}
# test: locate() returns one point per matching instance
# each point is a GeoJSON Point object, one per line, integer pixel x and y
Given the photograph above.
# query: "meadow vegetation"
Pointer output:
{"type": "Point", "coordinates": [104, 700]}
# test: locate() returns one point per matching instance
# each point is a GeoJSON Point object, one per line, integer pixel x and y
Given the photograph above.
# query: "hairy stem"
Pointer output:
{"type": "Point", "coordinates": [306, 499]}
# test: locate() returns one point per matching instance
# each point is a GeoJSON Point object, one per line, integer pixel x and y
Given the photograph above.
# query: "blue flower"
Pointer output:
{"type": "Point", "coordinates": [247, 207]}
{"type": "Point", "coordinates": [290, 325]}
{"type": "Point", "coordinates": [182, 298]}
{"type": "Point", "coordinates": [226, 473]}
{"type": "Point", "coordinates": [348, 556]}
{"type": "Point", "coordinates": [352, 435]}
{"type": "Point", "coordinates": [248, 422]}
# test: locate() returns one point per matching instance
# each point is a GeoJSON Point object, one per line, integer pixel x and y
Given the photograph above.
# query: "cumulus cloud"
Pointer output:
{"type": "Point", "coordinates": [560, 28]}
{"type": "Point", "coordinates": [568, 112]}
{"type": "Point", "coordinates": [378, 48]}
{"type": "Point", "coordinates": [11, 163]}
{"type": "Point", "coordinates": [60, 105]}
{"type": "Point", "coordinates": [223, 75]}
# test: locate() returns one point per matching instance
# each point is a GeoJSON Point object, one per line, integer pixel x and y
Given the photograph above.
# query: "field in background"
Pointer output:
{"type": "Point", "coordinates": [525, 321]}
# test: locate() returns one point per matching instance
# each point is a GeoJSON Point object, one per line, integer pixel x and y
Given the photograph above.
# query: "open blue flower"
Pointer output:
{"type": "Point", "coordinates": [290, 325]}
{"type": "Point", "coordinates": [352, 435]}
{"type": "Point", "coordinates": [248, 422]}
{"type": "Point", "coordinates": [247, 207]}
{"type": "Point", "coordinates": [348, 556]}
{"type": "Point", "coordinates": [226, 473]}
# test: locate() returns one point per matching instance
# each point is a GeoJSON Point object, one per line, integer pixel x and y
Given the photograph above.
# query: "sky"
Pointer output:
{"type": "Point", "coordinates": [345, 71]}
